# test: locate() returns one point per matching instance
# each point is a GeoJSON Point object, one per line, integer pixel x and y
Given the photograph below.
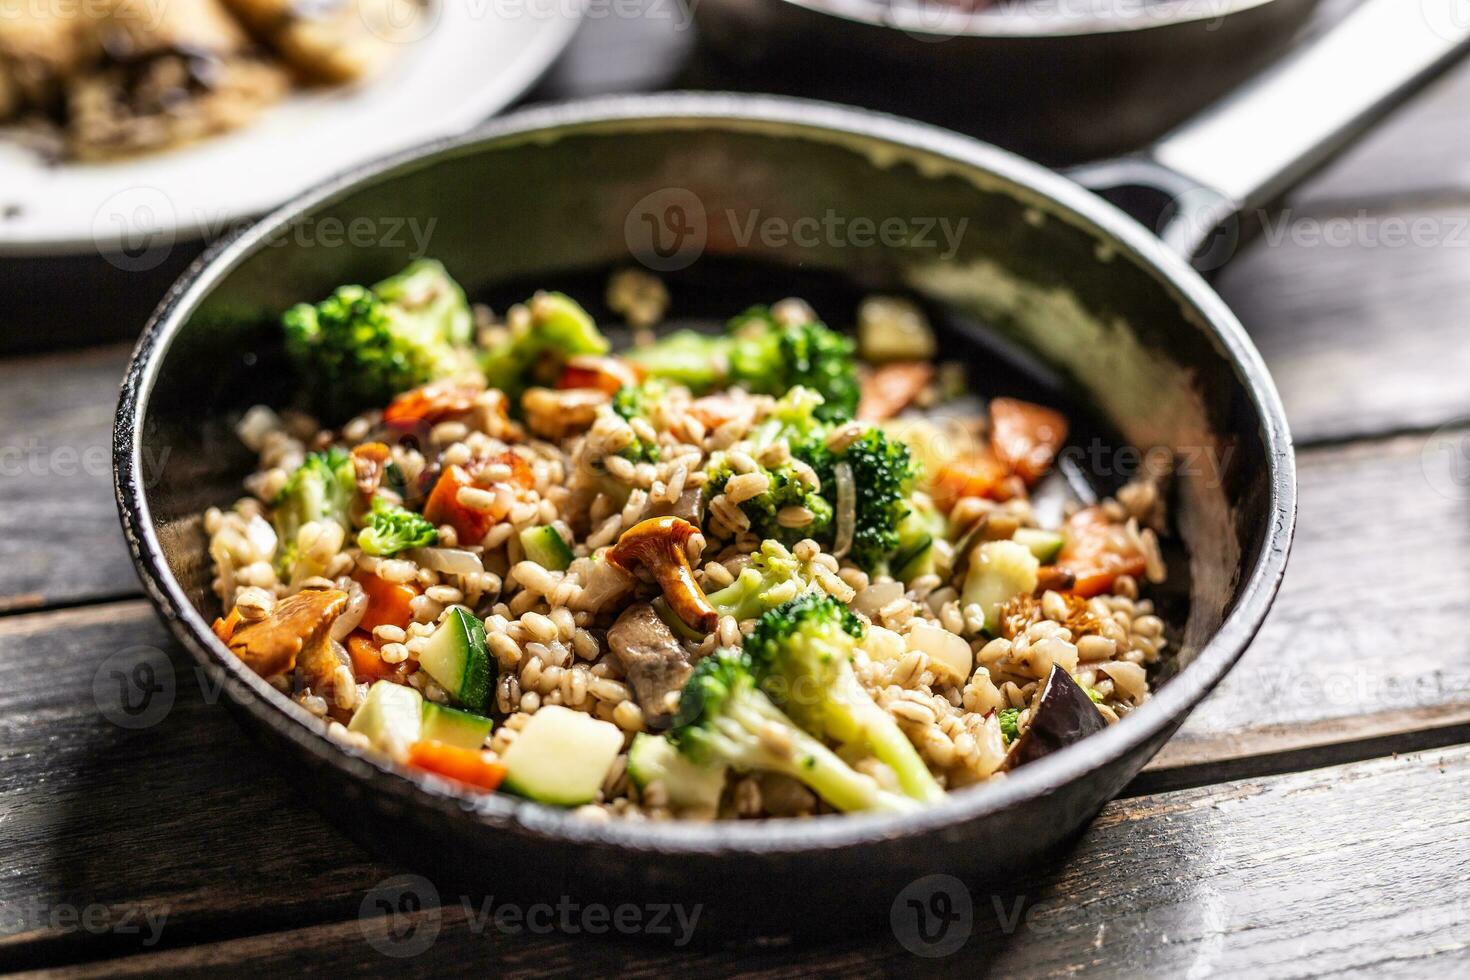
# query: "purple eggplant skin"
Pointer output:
{"type": "Point", "coordinates": [1064, 715]}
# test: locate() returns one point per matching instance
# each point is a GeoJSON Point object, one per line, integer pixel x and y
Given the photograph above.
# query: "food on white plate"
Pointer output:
{"type": "Point", "coordinates": [118, 78]}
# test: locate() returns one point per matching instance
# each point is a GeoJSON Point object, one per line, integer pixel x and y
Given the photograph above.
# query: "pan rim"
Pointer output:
{"type": "Point", "coordinates": [815, 120]}
{"type": "Point", "coordinates": [1009, 23]}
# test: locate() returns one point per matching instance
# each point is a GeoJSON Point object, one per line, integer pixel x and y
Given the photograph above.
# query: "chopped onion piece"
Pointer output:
{"type": "Point", "coordinates": [846, 510]}
{"type": "Point", "coordinates": [448, 561]}
{"type": "Point", "coordinates": [357, 604]}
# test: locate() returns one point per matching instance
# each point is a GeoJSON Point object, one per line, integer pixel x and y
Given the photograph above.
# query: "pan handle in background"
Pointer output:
{"type": "Point", "coordinates": [1249, 148]}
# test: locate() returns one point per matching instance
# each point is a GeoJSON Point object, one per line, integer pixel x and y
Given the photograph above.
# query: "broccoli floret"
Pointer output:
{"type": "Point", "coordinates": [391, 529]}
{"type": "Point", "coordinates": [633, 401]}
{"type": "Point", "coordinates": [360, 347]}
{"type": "Point", "coordinates": [762, 356]}
{"type": "Point", "coordinates": [1008, 729]}
{"type": "Point", "coordinates": [773, 576]}
{"type": "Point", "coordinates": [883, 477]}
{"type": "Point", "coordinates": [725, 719]}
{"type": "Point", "coordinates": [785, 489]}
{"type": "Point", "coordinates": [794, 419]}
{"type": "Point", "coordinates": [321, 489]}
{"type": "Point", "coordinates": [803, 652]}
{"type": "Point", "coordinates": [535, 347]}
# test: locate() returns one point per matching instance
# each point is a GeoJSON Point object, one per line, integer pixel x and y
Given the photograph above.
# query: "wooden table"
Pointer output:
{"type": "Point", "coordinates": [1310, 818]}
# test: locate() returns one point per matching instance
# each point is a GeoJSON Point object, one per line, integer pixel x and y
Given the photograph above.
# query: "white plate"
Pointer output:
{"type": "Point", "coordinates": [472, 58]}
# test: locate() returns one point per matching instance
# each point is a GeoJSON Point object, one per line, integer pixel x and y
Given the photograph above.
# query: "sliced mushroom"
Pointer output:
{"type": "Point", "coordinates": [659, 545]}
{"type": "Point", "coordinates": [1063, 715]}
{"type": "Point", "coordinates": [652, 658]}
{"type": "Point", "coordinates": [689, 507]}
{"type": "Point", "coordinates": [271, 646]}
{"type": "Point", "coordinates": [369, 464]}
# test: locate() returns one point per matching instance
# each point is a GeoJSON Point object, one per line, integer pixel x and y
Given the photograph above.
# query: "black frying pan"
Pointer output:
{"type": "Point", "coordinates": [1095, 302]}
{"type": "Point", "coordinates": [1057, 80]}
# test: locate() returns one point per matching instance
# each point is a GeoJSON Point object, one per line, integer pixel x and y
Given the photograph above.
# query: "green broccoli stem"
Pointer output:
{"type": "Point", "coordinates": [741, 598]}
{"type": "Point", "coordinates": [807, 760]}
{"type": "Point", "coordinates": [868, 728]}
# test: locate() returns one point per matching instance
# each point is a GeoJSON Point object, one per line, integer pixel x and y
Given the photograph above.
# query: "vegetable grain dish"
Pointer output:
{"type": "Point", "coordinates": [773, 571]}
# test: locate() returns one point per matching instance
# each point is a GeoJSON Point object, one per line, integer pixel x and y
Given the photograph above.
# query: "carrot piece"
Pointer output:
{"type": "Point", "coordinates": [388, 602]}
{"type": "Point", "coordinates": [367, 660]}
{"type": "Point", "coordinates": [1026, 437]}
{"type": "Point", "coordinates": [889, 389]}
{"type": "Point", "coordinates": [432, 403]}
{"type": "Point", "coordinates": [1097, 551]}
{"type": "Point", "coordinates": [443, 507]}
{"type": "Point", "coordinates": [975, 474]}
{"type": "Point", "coordinates": [225, 628]}
{"type": "Point", "coordinates": [467, 766]}
{"type": "Point", "coordinates": [603, 373]}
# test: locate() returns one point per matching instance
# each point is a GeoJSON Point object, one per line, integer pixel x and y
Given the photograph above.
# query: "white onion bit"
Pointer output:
{"type": "Point", "coordinates": [846, 510]}
{"type": "Point", "coordinates": [449, 561]}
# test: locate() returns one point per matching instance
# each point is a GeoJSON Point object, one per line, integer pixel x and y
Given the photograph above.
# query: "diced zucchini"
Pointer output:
{"type": "Point", "coordinates": [454, 727]}
{"type": "Point", "coordinates": [999, 571]}
{"type": "Point", "coordinates": [1045, 545]}
{"type": "Point", "coordinates": [391, 717]}
{"type": "Point", "coordinates": [917, 533]}
{"type": "Point", "coordinates": [689, 786]}
{"type": "Point", "coordinates": [546, 547]}
{"type": "Point", "coordinates": [561, 756]}
{"type": "Point", "coordinates": [457, 658]}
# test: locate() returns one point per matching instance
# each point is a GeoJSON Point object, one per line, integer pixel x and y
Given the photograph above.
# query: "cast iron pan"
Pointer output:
{"type": "Point", "coordinates": [1094, 302]}
{"type": "Point", "coordinates": [1060, 81]}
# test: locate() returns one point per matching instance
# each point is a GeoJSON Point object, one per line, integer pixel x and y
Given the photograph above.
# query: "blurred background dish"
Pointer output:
{"type": "Point", "coordinates": [435, 73]}
{"type": "Point", "coordinates": [1060, 81]}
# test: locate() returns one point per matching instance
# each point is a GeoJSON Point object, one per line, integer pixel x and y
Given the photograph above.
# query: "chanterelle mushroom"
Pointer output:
{"type": "Point", "coordinates": [659, 545]}
{"type": "Point", "coordinates": [300, 622]}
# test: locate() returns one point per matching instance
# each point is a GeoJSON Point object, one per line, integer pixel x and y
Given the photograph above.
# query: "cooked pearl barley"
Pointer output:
{"type": "Point", "coordinates": [254, 603]}
{"type": "Point", "coordinates": [387, 633]}
{"type": "Point", "coordinates": [747, 485]}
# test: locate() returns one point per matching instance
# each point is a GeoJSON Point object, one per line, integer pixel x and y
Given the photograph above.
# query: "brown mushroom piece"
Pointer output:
{"type": "Point", "coordinates": [659, 546]}
{"type": "Point", "coordinates": [369, 465]}
{"type": "Point", "coordinates": [652, 658]}
{"type": "Point", "coordinates": [688, 507]}
{"type": "Point", "coordinates": [297, 624]}
{"type": "Point", "coordinates": [1065, 714]}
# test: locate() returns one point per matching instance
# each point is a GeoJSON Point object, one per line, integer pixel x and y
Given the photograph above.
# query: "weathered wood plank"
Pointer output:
{"type": "Point", "coordinates": [170, 812]}
{"type": "Point", "coordinates": [1367, 629]}
{"type": "Point", "coordinates": [1361, 318]}
{"type": "Point", "coordinates": [59, 540]}
{"type": "Point", "coordinates": [1221, 880]}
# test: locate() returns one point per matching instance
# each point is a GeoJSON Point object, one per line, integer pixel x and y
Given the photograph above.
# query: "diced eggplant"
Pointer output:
{"type": "Point", "coordinates": [1065, 714]}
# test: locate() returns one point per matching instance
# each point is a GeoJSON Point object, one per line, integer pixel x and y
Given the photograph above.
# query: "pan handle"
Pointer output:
{"type": "Point", "coordinates": [1245, 151]}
